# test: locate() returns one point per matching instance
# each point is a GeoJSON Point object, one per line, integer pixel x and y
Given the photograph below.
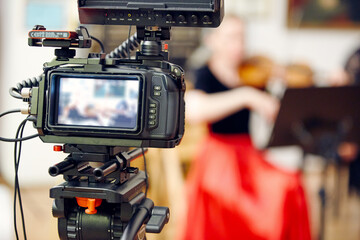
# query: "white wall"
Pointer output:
{"type": "Point", "coordinates": [324, 49]}
{"type": "Point", "coordinates": [19, 61]}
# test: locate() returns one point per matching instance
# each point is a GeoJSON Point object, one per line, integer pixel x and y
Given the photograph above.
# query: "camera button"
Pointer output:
{"type": "Point", "coordinates": [157, 88]}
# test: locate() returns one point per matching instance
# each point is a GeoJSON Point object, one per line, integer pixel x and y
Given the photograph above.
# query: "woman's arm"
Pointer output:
{"type": "Point", "coordinates": [203, 107]}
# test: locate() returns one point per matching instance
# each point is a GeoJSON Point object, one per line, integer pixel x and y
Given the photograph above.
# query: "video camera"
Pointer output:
{"type": "Point", "coordinates": [110, 101]}
{"type": "Point", "coordinates": [100, 106]}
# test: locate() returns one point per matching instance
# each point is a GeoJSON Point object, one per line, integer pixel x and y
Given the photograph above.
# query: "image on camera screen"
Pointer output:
{"type": "Point", "coordinates": [109, 103]}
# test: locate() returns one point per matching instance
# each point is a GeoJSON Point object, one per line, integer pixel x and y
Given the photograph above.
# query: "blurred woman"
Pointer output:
{"type": "Point", "coordinates": [348, 151]}
{"type": "Point", "coordinates": [233, 193]}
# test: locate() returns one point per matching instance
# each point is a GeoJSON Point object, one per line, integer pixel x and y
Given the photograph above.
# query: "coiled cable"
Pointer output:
{"type": "Point", "coordinates": [123, 51]}
{"type": "Point", "coordinates": [28, 83]}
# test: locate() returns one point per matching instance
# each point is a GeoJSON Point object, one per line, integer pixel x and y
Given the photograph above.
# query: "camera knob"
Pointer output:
{"type": "Point", "coordinates": [181, 18]}
{"type": "Point", "coordinates": [194, 19]}
{"type": "Point", "coordinates": [177, 72]}
{"type": "Point", "coordinates": [169, 18]}
{"type": "Point", "coordinates": [206, 19]}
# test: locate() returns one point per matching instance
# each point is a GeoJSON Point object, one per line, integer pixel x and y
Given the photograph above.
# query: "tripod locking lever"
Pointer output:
{"type": "Point", "coordinates": [159, 217]}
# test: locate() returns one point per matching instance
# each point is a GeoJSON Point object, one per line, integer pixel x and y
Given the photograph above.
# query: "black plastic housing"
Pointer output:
{"type": "Point", "coordinates": [161, 106]}
{"type": "Point", "coordinates": [162, 13]}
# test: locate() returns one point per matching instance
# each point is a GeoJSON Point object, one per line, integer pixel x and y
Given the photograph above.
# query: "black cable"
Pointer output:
{"type": "Point", "coordinates": [142, 213]}
{"type": "Point", "coordinates": [18, 184]}
{"type": "Point", "coordinates": [14, 93]}
{"type": "Point", "coordinates": [132, 43]}
{"type": "Point", "coordinates": [17, 155]}
{"type": "Point", "coordinates": [10, 111]}
{"type": "Point", "coordinates": [99, 42]}
{"type": "Point", "coordinates": [18, 139]}
{"type": "Point", "coordinates": [128, 44]}
{"type": "Point", "coordinates": [146, 173]}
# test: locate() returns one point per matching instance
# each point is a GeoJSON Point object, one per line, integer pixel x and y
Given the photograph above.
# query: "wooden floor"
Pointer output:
{"type": "Point", "coordinates": [342, 215]}
{"type": "Point", "coordinates": [344, 225]}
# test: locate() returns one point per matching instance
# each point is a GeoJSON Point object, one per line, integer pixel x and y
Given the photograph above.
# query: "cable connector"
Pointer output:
{"type": "Point", "coordinates": [26, 93]}
{"type": "Point", "coordinates": [25, 109]}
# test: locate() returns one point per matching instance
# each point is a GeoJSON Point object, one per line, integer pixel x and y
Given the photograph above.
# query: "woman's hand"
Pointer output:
{"type": "Point", "coordinates": [348, 151]}
{"type": "Point", "coordinates": [338, 78]}
{"type": "Point", "coordinates": [261, 102]}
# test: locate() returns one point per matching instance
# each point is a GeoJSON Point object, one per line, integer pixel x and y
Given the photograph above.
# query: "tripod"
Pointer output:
{"type": "Point", "coordinates": [105, 202]}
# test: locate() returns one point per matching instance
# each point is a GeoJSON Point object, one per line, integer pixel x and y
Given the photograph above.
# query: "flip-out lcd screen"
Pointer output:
{"type": "Point", "coordinates": [94, 102]}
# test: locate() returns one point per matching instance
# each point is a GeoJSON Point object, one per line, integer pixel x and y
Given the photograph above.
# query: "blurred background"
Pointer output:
{"type": "Point", "coordinates": [311, 38]}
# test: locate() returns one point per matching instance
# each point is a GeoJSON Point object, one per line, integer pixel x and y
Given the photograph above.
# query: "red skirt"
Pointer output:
{"type": "Point", "coordinates": [233, 193]}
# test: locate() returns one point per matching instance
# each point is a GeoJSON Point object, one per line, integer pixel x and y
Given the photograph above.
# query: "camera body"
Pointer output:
{"type": "Point", "coordinates": [110, 102]}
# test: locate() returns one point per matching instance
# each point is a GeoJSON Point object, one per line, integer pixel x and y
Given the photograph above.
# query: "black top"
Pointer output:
{"type": "Point", "coordinates": [352, 67]}
{"type": "Point", "coordinates": [236, 123]}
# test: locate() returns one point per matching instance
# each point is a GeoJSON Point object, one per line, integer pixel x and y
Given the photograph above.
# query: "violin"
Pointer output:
{"type": "Point", "coordinates": [256, 71]}
{"type": "Point", "coordinates": [298, 75]}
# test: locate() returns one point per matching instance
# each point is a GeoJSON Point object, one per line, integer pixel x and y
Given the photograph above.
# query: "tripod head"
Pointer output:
{"type": "Point", "coordinates": [105, 202]}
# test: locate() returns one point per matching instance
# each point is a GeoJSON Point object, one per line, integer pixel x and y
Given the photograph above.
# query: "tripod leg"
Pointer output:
{"type": "Point", "coordinates": [337, 185]}
{"type": "Point", "coordinates": [322, 195]}
{"type": "Point", "coordinates": [323, 201]}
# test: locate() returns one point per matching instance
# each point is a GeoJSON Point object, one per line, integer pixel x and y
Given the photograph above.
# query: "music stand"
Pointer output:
{"type": "Point", "coordinates": [318, 120]}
